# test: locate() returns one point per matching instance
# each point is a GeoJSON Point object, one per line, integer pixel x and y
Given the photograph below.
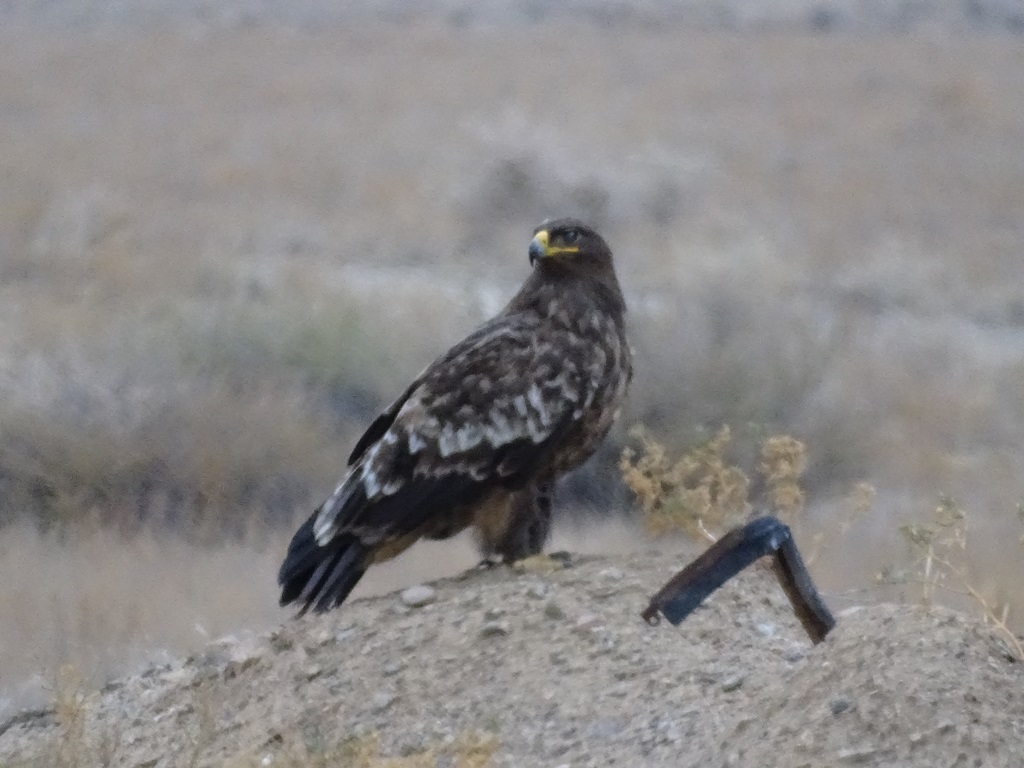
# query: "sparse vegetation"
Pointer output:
{"type": "Point", "coordinates": [69, 708]}
{"type": "Point", "coordinates": [74, 745]}
{"type": "Point", "coordinates": [939, 563]}
{"type": "Point", "coordinates": [702, 494]}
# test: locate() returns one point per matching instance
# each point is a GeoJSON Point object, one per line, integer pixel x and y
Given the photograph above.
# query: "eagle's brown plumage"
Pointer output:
{"type": "Point", "coordinates": [480, 436]}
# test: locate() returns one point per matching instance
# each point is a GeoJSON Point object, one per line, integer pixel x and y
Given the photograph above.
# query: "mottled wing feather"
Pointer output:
{"type": "Point", "coordinates": [487, 414]}
{"type": "Point", "coordinates": [380, 425]}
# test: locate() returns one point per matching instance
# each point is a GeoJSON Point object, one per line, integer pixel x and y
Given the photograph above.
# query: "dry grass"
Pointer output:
{"type": "Point", "coordinates": [703, 494]}
{"type": "Point", "coordinates": [940, 563]}
{"type": "Point", "coordinates": [221, 252]}
{"type": "Point", "coordinates": [75, 744]}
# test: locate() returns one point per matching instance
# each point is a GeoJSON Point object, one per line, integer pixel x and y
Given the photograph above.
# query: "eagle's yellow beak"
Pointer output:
{"type": "Point", "coordinates": [539, 246]}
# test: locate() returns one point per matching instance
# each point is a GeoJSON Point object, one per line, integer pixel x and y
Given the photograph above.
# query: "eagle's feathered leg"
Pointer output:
{"type": "Point", "coordinates": [528, 525]}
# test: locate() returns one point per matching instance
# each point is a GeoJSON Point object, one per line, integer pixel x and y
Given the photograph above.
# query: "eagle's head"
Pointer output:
{"type": "Point", "coordinates": [572, 269]}
{"type": "Point", "coordinates": [569, 243]}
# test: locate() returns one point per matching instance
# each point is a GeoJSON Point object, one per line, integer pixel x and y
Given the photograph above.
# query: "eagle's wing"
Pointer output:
{"type": "Point", "coordinates": [380, 425]}
{"type": "Point", "coordinates": [487, 414]}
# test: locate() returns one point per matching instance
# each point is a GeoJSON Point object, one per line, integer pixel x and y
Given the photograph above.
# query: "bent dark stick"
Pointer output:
{"type": "Point", "coordinates": [728, 556]}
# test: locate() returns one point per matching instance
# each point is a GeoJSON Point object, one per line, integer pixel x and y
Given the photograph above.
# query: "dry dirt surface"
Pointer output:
{"type": "Point", "coordinates": [532, 668]}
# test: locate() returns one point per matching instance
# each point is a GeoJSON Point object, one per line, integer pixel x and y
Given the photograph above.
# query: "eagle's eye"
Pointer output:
{"type": "Point", "coordinates": [570, 236]}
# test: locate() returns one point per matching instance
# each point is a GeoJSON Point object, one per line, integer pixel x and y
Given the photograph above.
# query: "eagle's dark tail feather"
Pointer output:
{"type": "Point", "coordinates": [320, 577]}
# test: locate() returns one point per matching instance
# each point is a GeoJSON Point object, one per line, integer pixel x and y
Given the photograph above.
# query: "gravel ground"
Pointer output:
{"type": "Point", "coordinates": [557, 669]}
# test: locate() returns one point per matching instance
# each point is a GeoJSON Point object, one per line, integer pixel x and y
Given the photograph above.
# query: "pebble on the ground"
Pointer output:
{"type": "Point", "coordinates": [418, 596]}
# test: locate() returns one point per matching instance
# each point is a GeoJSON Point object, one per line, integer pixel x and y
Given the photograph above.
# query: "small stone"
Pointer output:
{"type": "Point", "coordinates": [840, 704]}
{"type": "Point", "coordinates": [537, 591]}
{"type": "Point", "coordinates": [766, 629]}
{"type": "Point", "coordinates": [313, 671]}
{"type": "Point", "coordinates": [319, 640]}
{"type": "Point", "coordinates": [588, 621]}
{"type": "Point", "coordinates": [495, 629]}
{"type": "Point", "coordinates": [180, 677]}
{"type": "Point", "coordinates": [493, 614]}
{"type": "Point", "coordinates": [281, 641]}
{"type": "Point", "coordinates": [606, 729]}
{"type": "Point", "coordinates": [418, 596]}
{"type": "Point", "coordinates": [611, 574]}
{"type": "Point", "coordinates": [344, 634]}
{"type": "Point", "coordinates": [410, 745]}
{"type": "Point", "coordinates": [392, 668]}
{"type": "Point", "coordinates": [382, 700]}
{"type": "Point", "coordinates": [233, 669]}
{"type": "Point", "coordinates": [247, 653]}
{"type": "Point", "coordinates": [553, 610]}
{"type": "Point", "coordinates": [227, 656]}
{"type": "Point", "coordinates": [856, 756]}
{"type": "Point", "coordinates": [368, 649]}
{"type": "Point", "coordinates": [732, 683]}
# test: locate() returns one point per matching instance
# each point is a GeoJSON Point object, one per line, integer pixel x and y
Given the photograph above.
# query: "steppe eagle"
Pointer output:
{"type": "Point", "coordinates": [482, 434]}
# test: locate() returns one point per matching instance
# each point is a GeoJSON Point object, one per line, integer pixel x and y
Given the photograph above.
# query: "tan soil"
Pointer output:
{"type": "Point", "coordinates": [558, 669]}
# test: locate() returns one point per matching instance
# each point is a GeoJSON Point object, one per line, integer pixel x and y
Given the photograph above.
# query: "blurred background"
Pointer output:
{"type": "Point", "coordinates": [231, 232]}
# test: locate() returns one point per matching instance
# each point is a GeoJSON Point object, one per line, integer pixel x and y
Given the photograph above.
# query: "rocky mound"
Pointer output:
{"type": "Point", "coordinates": [524, 668]}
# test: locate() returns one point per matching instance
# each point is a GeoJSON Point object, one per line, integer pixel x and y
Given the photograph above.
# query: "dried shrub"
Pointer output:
{"type": "Point", "coordinates": [783, 463]}
{"type": "Point", "coordinates": [702, 493]}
